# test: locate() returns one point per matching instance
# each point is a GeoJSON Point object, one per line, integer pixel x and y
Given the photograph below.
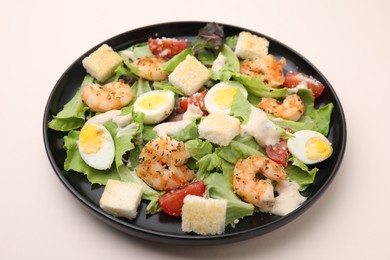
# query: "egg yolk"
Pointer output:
{"type": "Point", "coordinates": [317, 148]}
{"type": "Point", "coordinates": [91, 139]}
{"type": "Point", "coordinates": [224, 97]}
{"type": "Point", "coordinates": [153, 102]}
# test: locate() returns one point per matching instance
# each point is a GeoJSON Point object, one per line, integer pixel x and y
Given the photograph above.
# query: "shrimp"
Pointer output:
{"type": "Point", "coordinates": [250, 188]}
{"type": "Point", "coordinates": [291, 108]}
{"type": "Point", "coordinates": [162, 164]}
{"type": "Point", "coordinates": [268, 67]}
{"type": "Point", "coordinates": [113, 95]}
{"type": "Point", "coordinates": [150, 68]}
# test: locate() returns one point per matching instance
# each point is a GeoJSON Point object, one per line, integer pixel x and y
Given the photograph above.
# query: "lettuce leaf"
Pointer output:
{"type": "Point", "coordinates": [188, 133]}
{"type": "Point", "coordinates": [240, 149]}
{"type": "Point", "coordinates": [219, 187]}
{"type": "Point", "coordinates": [231, 41]}
{"type": "Point", "coordinates": [211, 36]}
{"type": "Point", "coordinates": [241, 108]}
{"type": "Point", "coordinates": [231, 66]}
{"type": "Point", "coordinates": [209, 163]}
{"type": "Point", "coordinates": [321, 118]}
{"type": "Point", "coordinates": [72, 116]}
{"type": "Point", "coordinates": [257, 87]}
{"type": "Point", "coordinates": [140, 87]}
{"type": "Point", "coordinates": [206, 57]}
{"type": "Point", "coordinates": [300, 173]}
{"type": "Point", "coordinates": [199, 148]}
{"type": "Point", "coordinates": [170, 65]}
{"type": "Point", "coordinates": [165, 85]}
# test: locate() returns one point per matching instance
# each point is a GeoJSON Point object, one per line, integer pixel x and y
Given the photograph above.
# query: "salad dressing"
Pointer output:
{"type": "Point", "coordinates": [288, 199]}
{"type": "Point", "coordinates": [104, 117]}
{"type": "Point", "coordinates": [261, 128]}
{"type": "Point", "coordinates": [173, 128]}
{"type": "Point", "coordinates": [219, 62]}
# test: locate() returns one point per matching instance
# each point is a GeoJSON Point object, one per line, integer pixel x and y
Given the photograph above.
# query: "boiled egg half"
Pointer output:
{"type": "Point", "coordinates": [156, 105]}
{"type": "Point", "coordinates": [220, 96]}
{"type": "Point", "coordinates": [96, 146]}
{"type": "Point", "coordinates": [309, 146]}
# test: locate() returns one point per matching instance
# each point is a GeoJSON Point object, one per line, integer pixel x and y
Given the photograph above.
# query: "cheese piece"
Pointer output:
{"type": "Point", "coordinates": [189, 76]}
{"type": "Point", "coordinates": [250, 46]}
{"type": "Point", "coordinates": [101, 64]}
{"type": "Point", "coordinates": [219, 128]}
{"type": "Point", "coordinates": [121, 199]}
{"type": "Point", "coordinates": [203, 216]}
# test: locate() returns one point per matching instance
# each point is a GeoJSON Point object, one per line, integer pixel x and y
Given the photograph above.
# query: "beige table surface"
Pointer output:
{"type": "Point", "coordinates": [348, 41]}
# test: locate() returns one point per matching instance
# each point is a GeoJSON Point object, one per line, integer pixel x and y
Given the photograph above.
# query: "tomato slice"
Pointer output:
{"type": "Point", "coordinates": [167, 47]}
{"type": "Point", "coordinates": [196, 99]}
{"type": "Point", "coordinates": [278, 152]}
{"type": "Point", "coordinates": [172, 201]}
{"type": "Point", "coordinates": [293, 79]}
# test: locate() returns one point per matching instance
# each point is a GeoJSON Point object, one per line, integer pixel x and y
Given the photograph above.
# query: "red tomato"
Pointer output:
{"type": "Point", "coordinates": [172, 201]}
{"type": "Point", "coordinates": [278, 152]}
{"type": "Point", "coordinates": [167, 47]}
{"type": "Point", "coordinates": [293, 79]}
{"type": "Point", "coordinates": [196, 99]}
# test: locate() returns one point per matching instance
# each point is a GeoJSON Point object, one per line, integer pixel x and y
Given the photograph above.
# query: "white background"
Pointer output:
{"type": "Point", "coordinates": [348, 41]}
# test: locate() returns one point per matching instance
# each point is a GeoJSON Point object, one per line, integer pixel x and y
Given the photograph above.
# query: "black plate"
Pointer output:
{"type": "Point", "coordinates": [161, 227]}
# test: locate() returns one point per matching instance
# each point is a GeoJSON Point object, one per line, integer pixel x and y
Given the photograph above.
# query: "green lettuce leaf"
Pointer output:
{"type": "Point", "coordinates": [230, 68]}
{"type": "Point", "coordinates": [206, 57]}
{"type": "Point", "coordinates": [257, 87]}
{"type": "Point", "coordinates": [219, 187]}
{"type": "Point", "coordinates": [140, 87]}
{"type": "Point", "coordinates": [209, 163]}
{"type": "Point", "coordinates": [188, 133]}
{"type": "Point", "coordinates": [241, 108]}
{"type": "Point", "coordinates": [199, 148]}
{"type": "Point", "coordinates": [300, 173]}
{"type": "Point", "coordinates": [231, 41]}
{"type": "Point", "coordinates": [72, 116]}
{"type": "Point", "coordinates": [237, 149]}
{"type": "Point", "coordinates": [165, 85]}
{"type": "Point", "coordinates": [321, 118]}
{"type": "Point", "coordinates": [170, 65]}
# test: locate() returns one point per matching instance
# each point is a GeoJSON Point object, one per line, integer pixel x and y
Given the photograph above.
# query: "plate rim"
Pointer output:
{"type": "Point", "coordinates": [198, 239]}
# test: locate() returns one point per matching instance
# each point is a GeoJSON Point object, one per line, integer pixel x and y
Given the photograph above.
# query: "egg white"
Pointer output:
{"type": "Point", "coordinates": [103, 158]}
{"type": "Point", "coordinates": [214, 103]}
{"type": "Point", "coordinates": [296, 145]}
{"type": "Point", "coordinates": [157, 105]}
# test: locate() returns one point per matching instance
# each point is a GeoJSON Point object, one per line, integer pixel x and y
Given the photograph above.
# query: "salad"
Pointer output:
{"type": "Point", "coordinates": [217, 118]}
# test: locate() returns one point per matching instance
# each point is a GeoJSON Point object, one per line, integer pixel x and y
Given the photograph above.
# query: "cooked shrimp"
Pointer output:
{"type": "Point", "coordinates": [150, 68]}
{"type": "Point", "coordinates": [113, 95]}
{"type": "Point", "coordinates": [291, 108]}
{"type": "Point", "coordinates": [162, 164]}
{"type": "Point", "coordinates": [250, 188]}
{"type": "Point", "coordinates": [268, 67]}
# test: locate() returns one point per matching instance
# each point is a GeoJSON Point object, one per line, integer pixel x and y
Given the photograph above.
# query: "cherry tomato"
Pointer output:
{"type": "Point", "coordinates": [172, 201]}
{"type": "Point", "coordinates": [293, 79]}
{"type": "Point", "coordinates": [167, 47]}
{"type": "Point", "coordinates": [278, 152]}
{"type": "Point", "coordinates": [196, 99]}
